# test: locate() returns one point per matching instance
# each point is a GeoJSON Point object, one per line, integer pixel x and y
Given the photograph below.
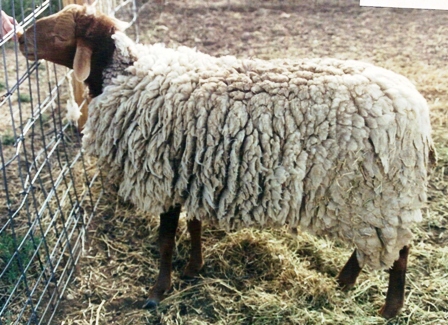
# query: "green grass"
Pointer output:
{"type": "Point", "coordinates": [24, 98]}
{"type": "Point", "coordinates": [7, 250]}
{"type": "Point", "coordinates": [7, 139]}
{"type": "Point", "coordinates": [45, 118]}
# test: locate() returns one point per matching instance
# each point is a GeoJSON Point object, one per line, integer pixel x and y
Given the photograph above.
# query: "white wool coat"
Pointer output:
{"type": "Point", "coordinates": [337, 148]}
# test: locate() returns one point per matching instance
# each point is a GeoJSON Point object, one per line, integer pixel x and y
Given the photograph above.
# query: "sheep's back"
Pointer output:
{"type": "Point", "coordinates": [337, 148]}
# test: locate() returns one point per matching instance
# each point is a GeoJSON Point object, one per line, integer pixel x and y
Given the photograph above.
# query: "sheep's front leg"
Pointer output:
{"type": "Point", "coordinates": [196, 262]}
{"type": "Point", "coordinates": [167, 232]}
{"type": "Point", "coordinates": [349, 273]}
{"type": "Point", "coordinates": [395, 292]}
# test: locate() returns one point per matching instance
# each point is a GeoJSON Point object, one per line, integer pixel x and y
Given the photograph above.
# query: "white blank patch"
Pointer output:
{"type": "Point", "coordinates": [416, 4]}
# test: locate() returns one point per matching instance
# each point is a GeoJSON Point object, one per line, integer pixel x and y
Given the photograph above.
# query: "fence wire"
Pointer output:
{"type": "Point", "coordinates": [46, 196]}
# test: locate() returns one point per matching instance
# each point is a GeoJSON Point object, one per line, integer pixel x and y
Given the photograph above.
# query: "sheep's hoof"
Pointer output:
{"type": "Point", "coordinates": [390, 310]}
{"type": "Point", "coordinates": [345, 284]}
{"type": "Point", "coordinates": [153, 301]}
{"type": "Point", "coordinates": [151, 304]}
{"type": "Point", "coordinates": [157, 293]}
{"type": "Point", "coordinates": [191, 272]}
{"type": "Point", "coordinates": [346, 287]}
{"type": "Point", "coordinates": [189, 275]}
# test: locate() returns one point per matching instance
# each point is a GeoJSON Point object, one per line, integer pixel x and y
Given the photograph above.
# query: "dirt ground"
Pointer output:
{"type": "Point", "coordinates": [269, 277]}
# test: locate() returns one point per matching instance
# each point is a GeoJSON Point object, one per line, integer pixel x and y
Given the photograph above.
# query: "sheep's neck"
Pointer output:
{"type": "Point", "coordinates": [117, 66]}
{"type": "Point", "coordinates": [104, 67]}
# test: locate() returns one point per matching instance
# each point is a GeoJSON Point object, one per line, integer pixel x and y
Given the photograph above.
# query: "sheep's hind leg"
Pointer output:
{"type": "Point", "coordinates": [349, 273]}
{"type": "Point", "coordinates": [395, 292]}
{"type": "Point", "coordinates": [167, 232]}
{"type": "Point", "coordinates": [196, 262]}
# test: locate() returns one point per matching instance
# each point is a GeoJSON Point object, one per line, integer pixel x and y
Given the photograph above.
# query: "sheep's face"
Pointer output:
{"type": "Point", "coordinates": [54, 38]}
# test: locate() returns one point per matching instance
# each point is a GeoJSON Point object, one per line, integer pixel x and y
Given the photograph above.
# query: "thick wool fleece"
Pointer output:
{"type": "Point", "coordinates": [337, 148]}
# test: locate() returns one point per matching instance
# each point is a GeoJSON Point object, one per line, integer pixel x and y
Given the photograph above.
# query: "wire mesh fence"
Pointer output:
{"type": "Point", "coordinates": [46, 202]}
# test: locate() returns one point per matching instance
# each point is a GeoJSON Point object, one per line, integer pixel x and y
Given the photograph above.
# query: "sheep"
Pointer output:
{"type": "Point", "coordinates": [337, 148]}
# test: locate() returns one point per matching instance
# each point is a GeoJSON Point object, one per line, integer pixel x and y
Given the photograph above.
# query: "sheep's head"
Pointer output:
{"type": "Point", "coordinates": [69, 38]}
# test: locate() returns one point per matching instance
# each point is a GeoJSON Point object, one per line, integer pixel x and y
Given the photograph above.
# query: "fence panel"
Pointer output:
{"type": "Point", "coordinates": [46, 196]}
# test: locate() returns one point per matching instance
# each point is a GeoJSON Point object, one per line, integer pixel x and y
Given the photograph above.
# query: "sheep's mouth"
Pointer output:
{"type": "Point", "coordinates": [26, 49]}
{"type": "Point", "coordinates": [30, 56]}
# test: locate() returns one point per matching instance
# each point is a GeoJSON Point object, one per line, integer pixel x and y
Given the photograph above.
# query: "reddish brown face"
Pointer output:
{"type": "Point", "coordinates": [55, 36]}
{"type": "Point", "coordinates": [70, 37]}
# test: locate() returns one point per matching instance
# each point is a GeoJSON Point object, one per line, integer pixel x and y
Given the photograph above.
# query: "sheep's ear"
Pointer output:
{"type": "Point", "coordinates": [81, 64]}
{"type": "Point", "coordinates": [121, 25]}
{"type": "Point", "coordinates": [91, 8]}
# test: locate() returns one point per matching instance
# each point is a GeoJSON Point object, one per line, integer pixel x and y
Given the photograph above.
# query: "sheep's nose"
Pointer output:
{"type": "Point", "coordinates": [22, 43]}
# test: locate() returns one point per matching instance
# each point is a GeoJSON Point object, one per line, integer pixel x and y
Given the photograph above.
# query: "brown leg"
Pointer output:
{"type": "Point", "coordinates": [167, 232]}
{"type": "Point", "coordinates": [395, 292]}
{"type": "Point", "coordinates": [196, 262]}
{"type": "Point", "coordinates": [349, 273]}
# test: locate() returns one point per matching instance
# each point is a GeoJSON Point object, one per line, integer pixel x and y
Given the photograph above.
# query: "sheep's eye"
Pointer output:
{"type": "Point", "coordinates": [59, 38]}
{"type": "Point", "coordinates": [59, 41]}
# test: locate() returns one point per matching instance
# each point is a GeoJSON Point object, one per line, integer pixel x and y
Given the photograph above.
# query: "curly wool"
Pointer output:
{"type": "Point", "coordinates": [337, 148]}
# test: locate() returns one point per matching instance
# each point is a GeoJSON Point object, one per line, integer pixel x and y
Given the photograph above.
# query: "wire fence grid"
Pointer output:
{"type": "Point", "coordinates": [46, 197]}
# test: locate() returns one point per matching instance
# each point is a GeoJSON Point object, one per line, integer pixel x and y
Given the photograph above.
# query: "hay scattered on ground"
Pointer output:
{"type": "Point", "coordinates": [270, 277]}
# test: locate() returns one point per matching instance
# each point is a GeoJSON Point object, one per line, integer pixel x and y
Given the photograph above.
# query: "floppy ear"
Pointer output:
{"type": "Point", "coordinates": [90, 8]}
{"type": "Point", "coordinates": [81, 63]}
{"type": "Point", "coordinates": [120, 25]}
